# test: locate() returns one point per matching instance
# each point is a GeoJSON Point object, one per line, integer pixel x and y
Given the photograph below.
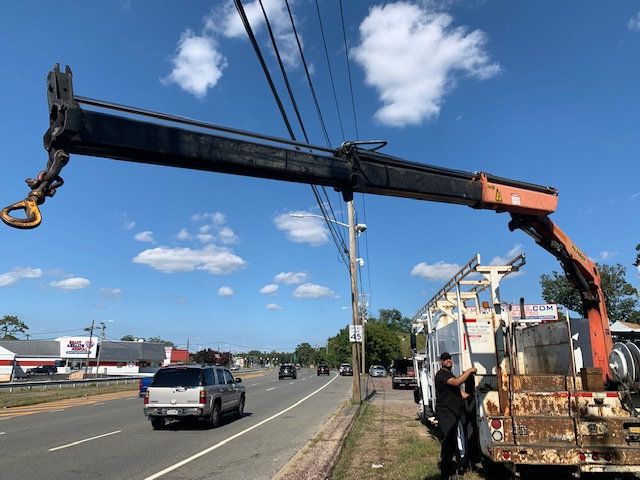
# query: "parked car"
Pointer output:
{"type": "Point", "coordinates": [323, 369]}
{"type": "Point", "coordinates": [143, 385]}
{"type": "Point", "coordinates": [346, 370]}
{"type": "Point", "coordinates": [194, 391]}
{"type": "Point", "coordinates": [287, 370]}
{"type": "Point", "coordinates": [297, 366]}
{"type": "Point", "coordinates": [377, 371]}
{"type": "Point", "coordinates": [43, 370]}
{"type": "Point", "coordinates": [234, 368]}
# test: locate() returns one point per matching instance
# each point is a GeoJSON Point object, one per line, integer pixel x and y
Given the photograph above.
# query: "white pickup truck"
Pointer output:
{"type": "Point", "coordinates": [193, 391]}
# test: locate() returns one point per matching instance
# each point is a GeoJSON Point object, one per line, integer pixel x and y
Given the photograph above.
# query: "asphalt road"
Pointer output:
{"type": "Point", "coordinates": [113, 440]}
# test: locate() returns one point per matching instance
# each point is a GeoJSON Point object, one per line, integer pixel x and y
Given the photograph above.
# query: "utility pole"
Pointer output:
{"type": "Point", "coordinates": [355, 314]}
{"type": "Point", "coordinates": [104, 327]}
{"type": "Point", "coordinates": [86, 367]}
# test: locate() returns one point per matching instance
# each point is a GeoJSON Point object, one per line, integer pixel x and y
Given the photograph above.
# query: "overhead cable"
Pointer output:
{"type": "Point", "coordinates": [346, 52]}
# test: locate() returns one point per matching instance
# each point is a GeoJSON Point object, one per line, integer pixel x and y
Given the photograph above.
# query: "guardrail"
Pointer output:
{"type": "Point", "coordinates": [44, 384]}
{"type": "Point", "coordinates": [11, 386]}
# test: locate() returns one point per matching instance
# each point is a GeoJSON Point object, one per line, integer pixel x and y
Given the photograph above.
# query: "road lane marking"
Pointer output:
{"type": "Point", "coordinates": [59, 410]}
{"type": "Point", "coordinates": [83, 441]}
{"type": "Point", "coordinates": [239, 434]}
{"type": "Point", "coordinates": [272, 388]}
{"type": "Point", "coordinates": [252, 384]}
{"type": "Point", "coordinates": [2, 433]}
{"type": "Point", "coordinates": [291, 383]}
{"type": "Point", "coordinates": [99, 403]}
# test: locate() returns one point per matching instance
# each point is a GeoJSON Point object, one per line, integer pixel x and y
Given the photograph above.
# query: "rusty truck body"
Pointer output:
{"type": "Point", "coordinates": [536, 399]}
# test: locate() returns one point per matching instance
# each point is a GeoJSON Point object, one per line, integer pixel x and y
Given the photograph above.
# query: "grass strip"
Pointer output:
{"type": "Point", "coordinates": [387, 443]}
{"type": "Point", "coordinates": [32, 397]}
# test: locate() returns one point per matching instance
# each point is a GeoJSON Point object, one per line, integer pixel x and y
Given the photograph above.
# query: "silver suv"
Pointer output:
{"type": "Point", "coordinates": [193, 391]}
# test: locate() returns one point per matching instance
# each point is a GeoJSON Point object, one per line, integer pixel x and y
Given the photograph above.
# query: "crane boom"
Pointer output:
{"type": "Point", "coordinates": [348, 169]}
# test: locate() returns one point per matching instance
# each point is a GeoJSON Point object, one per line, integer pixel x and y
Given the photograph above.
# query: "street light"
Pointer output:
{"type": "Point", "coordinates": [354, 229]}
{"type": "Point", "coordinates": [359, 227]}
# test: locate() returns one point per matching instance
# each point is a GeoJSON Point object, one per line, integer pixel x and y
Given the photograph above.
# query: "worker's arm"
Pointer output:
{"type": "Point", "coordinates": [457, 381]}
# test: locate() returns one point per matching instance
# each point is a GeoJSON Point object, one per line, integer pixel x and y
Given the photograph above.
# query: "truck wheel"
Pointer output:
{"type": "Point", "coordinates": [157, 423]}
{"type": "Point", "coordinates": [214, 417]}
{"type": "Point", "coordinates": [394, 386]}
{"type": "Point", "coordinates": [240, 409]}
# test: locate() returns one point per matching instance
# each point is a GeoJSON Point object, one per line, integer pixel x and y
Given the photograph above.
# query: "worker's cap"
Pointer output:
{"type": "Point", "coordinates": [445, 356]}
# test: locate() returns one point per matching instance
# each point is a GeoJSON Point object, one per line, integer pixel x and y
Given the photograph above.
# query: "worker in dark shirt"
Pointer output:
{"type": "Point", "coordinates": [449, 410]}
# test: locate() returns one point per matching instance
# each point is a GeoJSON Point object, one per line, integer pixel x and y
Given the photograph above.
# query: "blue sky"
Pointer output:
{"type": "Point", "coordinates": [544, 92]}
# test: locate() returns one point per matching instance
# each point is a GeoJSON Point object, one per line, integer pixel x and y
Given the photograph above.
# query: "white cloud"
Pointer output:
{"type": "Point", "coordinates": [269, 289]}
{"type": "Point", "coordinates": [113, 293]}
{"type": "Point", "coordinates": [437, 271]}
{"type": "Point", "coordinates": [413, 57]}
{"type": "Point", "coordinates": [273, 306]}
{"type": "Point", "coordinates": [212, 259]}
{"type": "Point", "coordinates": [197, 64]}
{"type": "Point", "coordinates": [127, 224]}
{"type": "Point", "coordinates": [204, 237]}
{"type": "Point", "coordinates": [11, 278]}
{"type": "Point", "coordinates": [205, 228]}
{"type": "Point", "coordinates": [146, 236]}
{"type": "Point", "coordinates": [217, 218]}
{"type": "Point", "coordinates": [312, 290]}
{"type": "Point", "coordinates": [502, 260]}
{"type": "Point", "coordinates": [605, 255]}
{"type": "Point", "coordinates": [226, 21]}
{"type": "Point", "coordinates": [227, 236]}
{"type": "Point", "coordinates": [290, 278]}
{"type": "Point", "coordinates": [226, 292]}
{"type": "Point", "coordinates": [634, 196]}
{"type": "Point", "coordinates": [183, 234]}
{"type": "Point", "coordinates": [634, 23]}
{"type": "Point", "coordinates": [75, 283]}
{"type": "Point", "coordinates": [311, 230]}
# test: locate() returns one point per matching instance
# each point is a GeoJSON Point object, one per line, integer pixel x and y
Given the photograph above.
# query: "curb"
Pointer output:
{"type": "Point", "coordinates": [316, 460]}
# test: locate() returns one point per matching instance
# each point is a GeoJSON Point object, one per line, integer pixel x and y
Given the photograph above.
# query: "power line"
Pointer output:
{"type": "Point", "coordinates": [306, 70]}
{"type": "Point", "coordinates": [332, 227]}
{"type": "Point", "coordinates": [283, 113]}
{"type": "Point", "coordinates": [333, 85]}
{"type": "Point", "coordinates": [346, 52]}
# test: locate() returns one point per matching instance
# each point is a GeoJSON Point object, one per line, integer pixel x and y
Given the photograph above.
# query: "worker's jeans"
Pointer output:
{"type": "Point", "coordinates": [449, 446]}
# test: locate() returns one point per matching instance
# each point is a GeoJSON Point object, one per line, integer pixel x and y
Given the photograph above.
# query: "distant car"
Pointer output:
{"type": "Point", "coordinates": [297, 366]}
{"type": "Point", "coordinates": [287, 370]}
{"type": "Point", "coordinates": [143, 384]}
{"type": "Point", "coordinates": [43, 370]}
{"type": "Point", "coordinates": [234, 368]}
{"type": "Point", "coordinates": [323, 369]}
{"type": "Point", "coordinates": [193, 391]}
{"type": "Point", "coordinates": [377, 371]}
{"type": "Point", "coordinates": [346, 370]}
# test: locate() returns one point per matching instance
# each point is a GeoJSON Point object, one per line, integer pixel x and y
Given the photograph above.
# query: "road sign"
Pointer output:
{"type": "Point", "coordinates": [356, 333]}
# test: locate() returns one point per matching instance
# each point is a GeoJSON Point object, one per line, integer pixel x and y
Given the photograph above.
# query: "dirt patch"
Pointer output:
{"type": "Point", "coordinates": [388, 442]}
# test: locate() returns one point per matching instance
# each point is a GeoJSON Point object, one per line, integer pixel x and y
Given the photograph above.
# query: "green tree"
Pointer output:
{"type": "Point", "coordinates": [339, 348]}
{"type": "Point", "coordinates": [305, 353]}
{"type": "Point", "coordinates": [637, 262]}
{"type": "Point", "coordinates": [129, 338]}
{"type": "Point", "coordinates": [382, 344]}
{"type": "Point", "coordinates": [394, 319]}
{"type": "Point", "coordinates": [157, 339]}
{"type": "Point", "coordinates": [621, 297]}
{"type": "Point", "coordinates": [11, 326]}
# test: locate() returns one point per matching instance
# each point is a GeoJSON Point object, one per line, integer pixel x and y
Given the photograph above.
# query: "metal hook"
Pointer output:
{"type": "Point", "coordinates": [31, 210]}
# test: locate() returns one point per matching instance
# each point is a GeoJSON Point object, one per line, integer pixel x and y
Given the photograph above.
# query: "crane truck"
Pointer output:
{"type": "Point", "coordinates": [143, 136]}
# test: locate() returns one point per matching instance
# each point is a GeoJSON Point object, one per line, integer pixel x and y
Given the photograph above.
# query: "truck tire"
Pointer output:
{"type": "Point", "coordinates": [240, 408]}
{"type": "Point", "coordinates": [214, 417]}
{"type": "Point", "coordinates": [394, 385]}
{"type": "Point", "coordinates": [157, 423]}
